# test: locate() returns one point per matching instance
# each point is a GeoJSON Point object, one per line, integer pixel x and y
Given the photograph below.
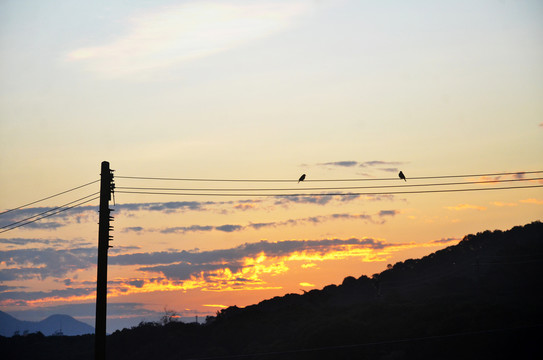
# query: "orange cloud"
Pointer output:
{"type": "Point", "coordinates": [502, 204]}
{"type": "Point", "coordinates": [461, 207]}
{"type": "Point", "coordinates": [532, 201]}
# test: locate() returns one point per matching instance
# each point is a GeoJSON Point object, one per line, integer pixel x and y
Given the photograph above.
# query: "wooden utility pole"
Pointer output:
{"type": "Point", "coordinates": [106, 188]}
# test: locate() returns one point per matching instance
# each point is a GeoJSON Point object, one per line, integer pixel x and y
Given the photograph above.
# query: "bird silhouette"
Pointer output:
{"type": "Point", "coordinates": [302, 178]}
{"type": "Point", "coordinates": [402, 176]}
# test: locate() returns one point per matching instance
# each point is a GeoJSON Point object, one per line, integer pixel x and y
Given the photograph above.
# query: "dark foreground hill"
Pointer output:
{"type": "Point", "coordinates": [480, 299]}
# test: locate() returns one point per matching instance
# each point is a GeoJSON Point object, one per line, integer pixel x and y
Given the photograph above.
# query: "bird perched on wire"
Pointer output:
{"type": "Point", "coordinates": [402, 176]}
{"type": "Point", "coordinates": [302, 178]}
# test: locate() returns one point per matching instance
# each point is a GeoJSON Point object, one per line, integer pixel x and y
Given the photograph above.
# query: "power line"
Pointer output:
{"type": "Point", "coordinates": [327, 188]}
{"type": "Point", "coordinates": [330, 194]}
{"type": "Point", "coordinates": [49, 197]}
{"type": "Point", "coordinates": [520, 173]}
{"type": "Point", "coordinates": [10, 227]}
{"type": "Point", "coordinates": [48, 211]}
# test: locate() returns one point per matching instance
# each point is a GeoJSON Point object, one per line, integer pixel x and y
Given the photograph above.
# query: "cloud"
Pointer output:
{"type": "Point", "coordinates": [388, 213]}
{"type": "Point", "coordinates": [319, 200]}
{"type": "Point", "coordinates": [167, 207]}
{"type": "Point", "coordinates": [502, 204]}
{"type": "Point", "coordinates": [23, 241]}
{"type": "Point", "coordinates": [461, 207]}
{"type": "Point", "coordinates": [372, 163]}
{"type": "Point", "coordinates": [532, 201]}
{"type": "Point", "coordinates": [29, 296]}
{"type": "Point", "coordinates": [244, 266]}
{"type": "Point", "coordinates": [229, 228]}
{"type": "Point", "coordinates": [170, 35]}
{"type": "Point", "coordinates": [236, 254]}
{"type": "Point", "coordinates": [184, 229]}
{"type": "Point", "coordinates": [341, 163]}
{"type": "Point", "coordinates": [446, 240]}
{"type": "Point", "coordinates": [261, 225]}
{"type": "Point", "coordinates": [22, 264]}
{"type": "Point", "coordinates": [137, 229]}
{"type": "Point", "coordinates": [76, 214]}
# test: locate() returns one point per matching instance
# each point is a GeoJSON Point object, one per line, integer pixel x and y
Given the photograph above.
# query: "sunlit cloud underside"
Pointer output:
{"type": "Point", "coordinates": [248, 267]}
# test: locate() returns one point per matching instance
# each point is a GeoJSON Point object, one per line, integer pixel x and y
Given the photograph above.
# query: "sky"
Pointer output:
{"type": "Point", "coordinates": [256, 90]}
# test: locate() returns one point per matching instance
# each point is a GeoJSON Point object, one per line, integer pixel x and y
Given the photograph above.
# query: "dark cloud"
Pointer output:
{"type": "Point", "coordinates": [229, 228]}
{"type": "Point", "coordinates": [52, 225]}
{"type": "Point", "coordinates": [185, 271]}
{"type": "Point", "coordinates": [183, 265]}
{"type": "Point", "coordinates": [32, 214]}
{"type": "Point", "coordinates": [261, 225]}
{"type": "Point", "coordinates": [234, 255]}
{"type": "Point", "coordinates": [121, 248]}
{"type": "Point", "coordinates": [388, 213]}
{"type": "Point", "coordinates": [445, 240]}
{"type": "Point", "coordinates": [23, 241]}
{"type": "Point", "coordinates": [184, 229]}
{"type": "Point", "coordinates": [9, 288]}
{"type": "Point", "coordinates": [164, 207]}
{"type": "Point", "coordinates": [372, 163]}
{"type": "Point", "coordinates": [132, 229]}
{"type": "Point", "coordinates": [319, 200]}
{"type": "Point", "coordinates": [341, 163]}
{"type": "Point", "coordinates": [258, 226]}
{"type": "Point", "coordinates": [35, 295]}
{"type": "Point", "coordinates": [137, 283]}
{"type": "Point", "coordinates": [43, 263]}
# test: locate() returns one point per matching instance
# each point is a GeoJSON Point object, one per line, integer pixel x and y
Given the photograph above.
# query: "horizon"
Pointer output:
{"type": "Point", "coordinates": [348, 93]}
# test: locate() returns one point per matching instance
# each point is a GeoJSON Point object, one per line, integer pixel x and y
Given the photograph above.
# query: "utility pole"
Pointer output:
{"type": "Point", "coordinates": [106, 189]}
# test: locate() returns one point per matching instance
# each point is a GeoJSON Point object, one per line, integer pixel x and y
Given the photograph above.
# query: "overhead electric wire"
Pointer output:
{"type": "Point", "coordinates": [49, 197]}
{"type": "Point", "coordinates": [326, 188]}
{"type": "Point", "coordinates": [330, 194]}
{"type": "Point", "coordinates": [11, 227]}
{"type": "Point", "coordinates": [324, 180]}
{"type": "Point", "coordinates": [48, 211]}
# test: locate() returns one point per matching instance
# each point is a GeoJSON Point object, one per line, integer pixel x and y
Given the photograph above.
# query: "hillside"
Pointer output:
{"type": "Point", "coordinates": [478, 299]}
{"type": "Point", "coordinates": [49, 326]}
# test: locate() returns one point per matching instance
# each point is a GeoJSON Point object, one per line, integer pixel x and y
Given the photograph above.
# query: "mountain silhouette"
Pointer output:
{"type": "Point", "coordinates": [478, 299]}
{"type": "Point", "coordinates": [54, 324]}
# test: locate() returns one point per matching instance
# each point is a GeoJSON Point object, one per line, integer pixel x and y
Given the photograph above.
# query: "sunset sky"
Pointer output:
{"type": "Point", "coordinates": [256, 90]}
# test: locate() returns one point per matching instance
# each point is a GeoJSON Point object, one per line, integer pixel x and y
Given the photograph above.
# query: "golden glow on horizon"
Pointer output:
{"type": "Point", "coordinates": [252, 275]}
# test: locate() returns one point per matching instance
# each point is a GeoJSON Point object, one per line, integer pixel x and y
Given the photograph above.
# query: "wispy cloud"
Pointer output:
{"type": "Point", "coordinates": [260, 225]}
{"type": "Point", "coordinates": [387, 166]}
{"type": "Point", "coordinates": [341, 163]}
{"type": "Point", "coordinates": [24, 242]}
{"type": "Point", "coordinates": [446, 240]}
{"type": "Point", "coordinates": [532, 201]}
{"type": "Point", "coordinates": [195, 29]}
{"type": "Point", "coordinates": [461, 207]}
{"type": "Point", "coordinates": [503, 204]}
